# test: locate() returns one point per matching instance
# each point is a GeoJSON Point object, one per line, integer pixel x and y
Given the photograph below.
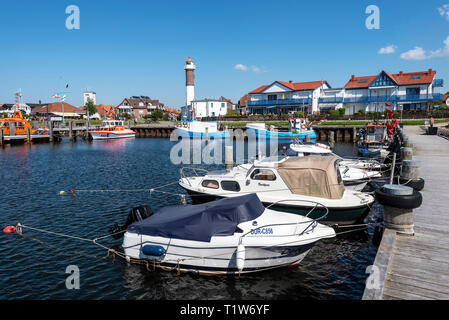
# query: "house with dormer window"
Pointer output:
{"type": "Point", "coordinates": [401, 91]}
{"type": "Point", "coordinates": [286, 97]}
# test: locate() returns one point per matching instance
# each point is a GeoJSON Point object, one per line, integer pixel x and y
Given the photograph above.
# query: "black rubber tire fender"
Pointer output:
{"type": "Point", "coordinates": [399, 201]}
{"type": "Point", "coordinates": [417, 184]}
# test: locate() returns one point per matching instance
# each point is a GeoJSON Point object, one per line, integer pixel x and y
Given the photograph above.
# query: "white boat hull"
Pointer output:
{"type": "Point", "coordinates": [281, 240]}
{"type": "Point", "coordinates": [106, 135]}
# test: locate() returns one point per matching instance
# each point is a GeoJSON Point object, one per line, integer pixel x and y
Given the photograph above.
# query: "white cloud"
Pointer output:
{"type": "Point", "coordinates": [442, 52]}
{"type": "Point", "coordinates": [444, 11]}
{"type": "Point", "coordinates": [419, 53]}
{"type": "Point", "coordinates": [252, 68]}
{"type": "Point", "coordinates": [241, 67]}
{"type": "Point", "coordinates": [388, 49]}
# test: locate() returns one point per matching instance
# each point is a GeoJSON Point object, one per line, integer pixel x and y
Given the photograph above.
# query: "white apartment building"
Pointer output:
{"type": "Point", "coordinates": [284, 97]}
{"type": "Point", "coordinates": [401, 91]}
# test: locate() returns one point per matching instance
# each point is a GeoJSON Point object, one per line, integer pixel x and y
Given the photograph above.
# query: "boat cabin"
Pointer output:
{"type": "Point", "coordinates": [376, 133]}
{"type": "Point", "coordinates": [297, 125]}
{"type": "Point", "coordinates": [19, 123]}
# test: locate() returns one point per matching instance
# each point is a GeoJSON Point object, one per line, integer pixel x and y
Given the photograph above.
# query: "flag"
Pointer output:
{"type": "Point", "coordinates": [387, 104]}
{"type": "Point", "coordinates": [389, 113]}
{"type": "Point", "coordinates": [56, 96]}
{"type": "Point", "coordinates": [67, 86]}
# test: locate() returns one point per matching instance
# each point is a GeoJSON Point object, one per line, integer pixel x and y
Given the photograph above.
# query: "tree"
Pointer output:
{"type": "Point", "coordinates": [90, 107]}
{"type": "Point", "coordinates": [341, 111]}
{"type": "Point", "coordinates": [156, 114]}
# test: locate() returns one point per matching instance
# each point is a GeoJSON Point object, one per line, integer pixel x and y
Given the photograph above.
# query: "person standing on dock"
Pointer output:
{"type": "Point", "coordinates": [431, 121]}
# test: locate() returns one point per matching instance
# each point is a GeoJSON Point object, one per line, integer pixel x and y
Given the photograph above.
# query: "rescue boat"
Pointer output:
{"type": "Point", "coordinates": [19, 122]}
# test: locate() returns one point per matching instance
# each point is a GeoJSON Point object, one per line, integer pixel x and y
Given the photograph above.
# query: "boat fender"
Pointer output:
{"type": "Point", "coordinates": [151, 250]}
{"type": "Point", "coordinates": [240, 257]}
{"type": "Point", "coordinates": [9, 229]}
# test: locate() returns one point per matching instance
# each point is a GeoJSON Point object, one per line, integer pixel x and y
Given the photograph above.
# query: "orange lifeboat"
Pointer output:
{"type": "Point", "coordinates": [18, 121]}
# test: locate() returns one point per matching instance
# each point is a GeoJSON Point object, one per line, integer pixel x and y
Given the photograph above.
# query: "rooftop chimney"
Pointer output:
{"type": "Point", "coordinates": [352, 77]}
{"type": "Point", "coordinates": [290, 81]}
{"type": "Point", "coordinates": [400, 73]}
{"type": "Point", "coordinates": [430, 71]}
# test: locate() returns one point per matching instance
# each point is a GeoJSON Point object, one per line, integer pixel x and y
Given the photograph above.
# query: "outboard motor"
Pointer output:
{"type": "Point", "coordinates": [136, 214]}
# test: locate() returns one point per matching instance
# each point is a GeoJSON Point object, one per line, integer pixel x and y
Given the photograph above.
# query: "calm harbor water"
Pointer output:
{"type": "Point", "coordinates": [32, 176]}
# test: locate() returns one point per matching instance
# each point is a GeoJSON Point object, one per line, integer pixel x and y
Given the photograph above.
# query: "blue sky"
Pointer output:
{"type": "Point", "coordinates": [126, 48]}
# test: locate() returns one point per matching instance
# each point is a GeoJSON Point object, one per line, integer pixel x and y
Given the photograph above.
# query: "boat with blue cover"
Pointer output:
{"type": "Point", "coordinates": [298, 130]}
{"type": "Point", "coordinates": [227, 236]}
{"type": "Point", "coordinates": [193, 129]}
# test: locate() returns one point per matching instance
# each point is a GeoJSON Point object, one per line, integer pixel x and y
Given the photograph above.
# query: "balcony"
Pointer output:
{"type": "Point", "coordinates": [331, 100]}
{"type": "Point", "coordinates": [438, 83]}
{"type": "Point", "coordinates": [399, 98]}
{"type": "Point", "coordinates": [279, 102]}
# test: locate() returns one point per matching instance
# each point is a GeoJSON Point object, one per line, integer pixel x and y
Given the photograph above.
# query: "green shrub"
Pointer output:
{"type": "Point", "coordinates": [341, 111]}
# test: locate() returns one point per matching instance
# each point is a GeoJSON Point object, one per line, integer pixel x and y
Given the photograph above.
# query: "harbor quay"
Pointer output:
{"type": "Point", "coordinates": [415, 266]}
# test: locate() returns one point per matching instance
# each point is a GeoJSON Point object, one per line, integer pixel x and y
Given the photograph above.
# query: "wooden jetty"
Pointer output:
{"type": "Point", "coordinates": [417, 267]}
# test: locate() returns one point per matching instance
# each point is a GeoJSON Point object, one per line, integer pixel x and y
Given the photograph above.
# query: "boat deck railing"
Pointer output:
{"type": "Point", "coordinates": [193, 170]}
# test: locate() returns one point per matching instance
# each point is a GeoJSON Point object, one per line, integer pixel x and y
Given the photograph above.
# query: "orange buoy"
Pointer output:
{"type": "Point", "coordinates": [9, 229]}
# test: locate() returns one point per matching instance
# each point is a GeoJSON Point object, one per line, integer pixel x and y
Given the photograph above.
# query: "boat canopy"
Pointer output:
{"type": "Point", "coordinates": [314, 176]}
{"type": "Point", "coordinates": [201, 222]}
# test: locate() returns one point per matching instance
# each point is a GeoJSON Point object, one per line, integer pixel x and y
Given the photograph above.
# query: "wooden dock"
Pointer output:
{"type": "Point", "coordinates": [417, 267]}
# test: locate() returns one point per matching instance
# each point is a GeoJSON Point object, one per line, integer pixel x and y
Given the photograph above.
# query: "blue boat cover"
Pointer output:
{"type": "Point", "coordinates": [200, 222]}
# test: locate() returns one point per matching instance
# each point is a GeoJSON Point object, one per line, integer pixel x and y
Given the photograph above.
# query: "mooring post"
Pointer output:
{"type": "Point", "coordinates": [71, 130]}
{"type": "Point", "coordinates": [406, 153]}
{"type": "Point", "coordinates": [410, 170]}
{"type": "Point", "coordinates": [50, 130]}
{"type": "Point", "coordinates": [229, 157]}
{"type": "Point", "coordinates": [1, 137]}
{"type": "Point", "coordinates": [398, 203]}
{"type": "Point", "coordinates": [354, 134]}
{"type": "Point", "coordinates": [392, 168]}
{"type": "Point", "coordinates": [207, 134]}
{"type": "Point", "coordinates": [28, 135]}
{"type": "Point", "coordinates": [331, 139]}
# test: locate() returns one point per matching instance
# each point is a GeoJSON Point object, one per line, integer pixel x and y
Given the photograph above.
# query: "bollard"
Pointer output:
{"type": "Point", "coordinates": [398, 203]}
{"type": "Point", "coordinates": [2, 139]}
{"type": "Point", "coordinates": [407, 144]}
{"type": "Point", "coordinates": [207, 134]}
{"type": "Point", "coordinates": [331, 139]}
{"type": "Point", "coordinates": [229, 157]}
{"type": "Point", "coordinates": [28, 135]}
{"type": "Point", "coordinates": [410, 170]}
{"type": "Point", "coordinates": [406, 153]}
{"type": "Point", "coordinates": [50, 130]}
{"type": "Point", "coordinates": [71, 130]}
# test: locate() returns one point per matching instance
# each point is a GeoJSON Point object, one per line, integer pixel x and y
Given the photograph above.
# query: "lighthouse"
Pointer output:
{"type": "Point", "coordinates": [190, 79]}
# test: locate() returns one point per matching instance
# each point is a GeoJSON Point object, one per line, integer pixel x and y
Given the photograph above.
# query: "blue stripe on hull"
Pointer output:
{"type": "Point", "coordinates": [202, 135]}
{"type": "Point", "coordinates": [265, 134]}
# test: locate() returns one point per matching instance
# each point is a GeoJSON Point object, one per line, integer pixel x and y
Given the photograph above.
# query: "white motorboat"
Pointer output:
{"type": "Point", "coordinates": [227, 236]}
{"type": "Point", "coordinates": [355, 173]}
{"type": "Point", "coordinates": [310, 179]}
{"type": "Point", "coordinates": [112, 129]}
{"type": "Point", "coordinates": [194, 129]}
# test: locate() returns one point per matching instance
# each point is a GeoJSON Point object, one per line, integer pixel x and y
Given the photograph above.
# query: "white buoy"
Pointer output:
{"type": "Point", "coordinates": [240, 257]}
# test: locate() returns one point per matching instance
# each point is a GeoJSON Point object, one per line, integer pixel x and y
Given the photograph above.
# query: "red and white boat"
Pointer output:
{"type": "Point", "coordinates": [112, 129]}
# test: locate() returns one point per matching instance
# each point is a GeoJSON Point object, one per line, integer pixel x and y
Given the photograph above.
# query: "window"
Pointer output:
{"type": "Point", "coordinates": [222, 105]}
{"type": "Point", "coordinates": [415, 77]}
{"type": "Point", "coordinates": [261, 174]}
{"type": "Point", "coordinates": [213, 184]}
{"type": "Point", "coordinates": [363, 80]}
{"type": "Point", "coordinates": [272, 97]}
{"type": "Point", "coordinates": [230, 186]}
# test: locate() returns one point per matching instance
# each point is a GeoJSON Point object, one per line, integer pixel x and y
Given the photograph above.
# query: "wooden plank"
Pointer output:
{"type": "Point", "coordinates": [398, 294]}
{"type": "Point", "coordinates": [423, 292]}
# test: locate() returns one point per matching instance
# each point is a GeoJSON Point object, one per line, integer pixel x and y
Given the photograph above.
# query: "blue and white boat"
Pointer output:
{"type": "Point", "coordinates": [298, 129]}
{"type": "Point", "coordinates": [194, 129]}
